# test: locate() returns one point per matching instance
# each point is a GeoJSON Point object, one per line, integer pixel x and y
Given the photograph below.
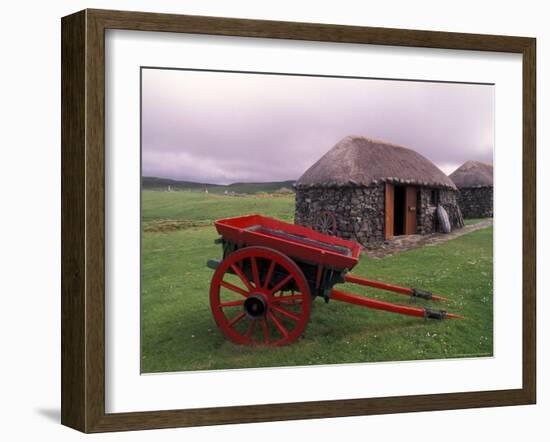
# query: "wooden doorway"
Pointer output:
{"type": "Point", "coordinates": [400, 210]}
{"type": "Point", "coordinates": [410, 210]}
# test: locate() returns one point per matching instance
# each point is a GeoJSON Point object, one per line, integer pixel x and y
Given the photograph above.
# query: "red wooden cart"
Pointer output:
{"type": "Point", "coordinates": [262, 290]}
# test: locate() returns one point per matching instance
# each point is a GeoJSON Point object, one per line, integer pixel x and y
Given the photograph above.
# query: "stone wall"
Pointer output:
{"type": "Point", "coordinates": [476, 202]}
{"type": "Point", "coordinates": [427, 206]}
{"type": "Point", "coordinates": [359, 211]}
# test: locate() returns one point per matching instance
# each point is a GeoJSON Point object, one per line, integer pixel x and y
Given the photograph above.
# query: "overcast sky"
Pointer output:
{"type": "Point", "coordinates": [221, 127]}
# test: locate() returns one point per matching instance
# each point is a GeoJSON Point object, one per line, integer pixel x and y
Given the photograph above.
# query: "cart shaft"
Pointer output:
{"type": "Point", "coordinates": [393, 288]}
{"type": "Point", "coordinates": [390, 307]}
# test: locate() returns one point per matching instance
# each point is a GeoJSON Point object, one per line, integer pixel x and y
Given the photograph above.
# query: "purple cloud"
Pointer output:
{"type": "Point", "coordinates": [226, 127]}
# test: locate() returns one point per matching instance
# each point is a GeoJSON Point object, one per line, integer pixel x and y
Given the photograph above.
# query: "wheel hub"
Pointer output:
{"type": "Point", "coordinates": [255, 305]}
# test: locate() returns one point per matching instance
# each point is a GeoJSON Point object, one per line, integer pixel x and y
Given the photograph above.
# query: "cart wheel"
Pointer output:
{"type": "Point", "coordinates": [260, 296]}
{"type": "Point", "coordinates": [325, 223]}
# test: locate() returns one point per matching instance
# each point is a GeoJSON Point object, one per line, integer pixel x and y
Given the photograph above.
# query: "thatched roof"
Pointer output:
{"type": "Point", "coordinates": [360, 161]}
{"type": "Point", "coordinates": [473, 174]}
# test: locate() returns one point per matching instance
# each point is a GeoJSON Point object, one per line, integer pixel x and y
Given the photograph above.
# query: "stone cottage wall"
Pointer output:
{"type": "Point", "coordinates": [359, 211]}
{"type": "Point", "coordinates": [476, 202]}
{"type": "Point", "coordinates": [427, 218]}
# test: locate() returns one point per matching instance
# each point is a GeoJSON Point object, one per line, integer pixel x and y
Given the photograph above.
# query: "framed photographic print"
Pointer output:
{"type": "Point", "coordinates": [270, 220]}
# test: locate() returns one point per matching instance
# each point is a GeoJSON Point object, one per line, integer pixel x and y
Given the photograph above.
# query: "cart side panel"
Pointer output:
{"type": "Point", "coordinates": [253, 230]}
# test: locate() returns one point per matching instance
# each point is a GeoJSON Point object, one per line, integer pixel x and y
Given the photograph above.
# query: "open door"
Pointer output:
{"type": "Point", "coordinates": [388, 219]}
{"type": "Point", "coordinates": [410, 210]}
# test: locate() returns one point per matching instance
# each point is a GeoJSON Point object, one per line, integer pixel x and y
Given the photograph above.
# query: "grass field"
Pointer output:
{"type": "Point", "coordinates": [179, 333]}
{"type": "Point", "coordinates": [470, 221]}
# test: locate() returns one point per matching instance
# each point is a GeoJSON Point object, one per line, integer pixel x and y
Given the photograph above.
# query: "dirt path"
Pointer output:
{"type": "Point", "coordinates": [403, 243]}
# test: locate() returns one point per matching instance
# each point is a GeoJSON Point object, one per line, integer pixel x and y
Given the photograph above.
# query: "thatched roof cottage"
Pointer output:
{"type": "Point", "coordinates": [369, 191]}
{"type": "Point", "coordinates": [474, 180]}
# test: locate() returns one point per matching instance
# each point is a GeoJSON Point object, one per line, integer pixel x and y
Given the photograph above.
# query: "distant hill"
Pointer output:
{"type": "Point", "coordinates": [155, 183]}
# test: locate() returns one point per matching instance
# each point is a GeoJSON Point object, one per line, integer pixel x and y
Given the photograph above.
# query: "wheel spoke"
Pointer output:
{"type": "Point", "coordinates": [255, 274]}
{"type": "Point", "coordinates": [286, 313]}
{"type": "Point", "coordinates": [269, 275]}
{"type": "Point", "coordinates": [237, 319]}
{"type": "Point", "coordinates": [281, 284]}
{"type": "Point", "coordinates": [250, 328]}
{"type": "Point", "coordinates": [244, 279]}
{"type": "Point", "coordinates": [265, 328]}
{"type": "Point", "coordinates": [234, 288]}
{"type": "Point", "coordinates": [231, 303]}
{"type": "Point", "coordinates": [280, 326]}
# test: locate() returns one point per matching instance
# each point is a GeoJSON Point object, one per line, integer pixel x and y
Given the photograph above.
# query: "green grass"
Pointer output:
{"type": "Point", "coordinates": [179, 333]}
{"type": "Point", "coordinates": [201, 208]}
{"type": "Point", "coordinates": [470, 221]}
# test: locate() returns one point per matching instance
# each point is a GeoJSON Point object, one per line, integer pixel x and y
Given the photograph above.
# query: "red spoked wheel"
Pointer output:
{"type": "Point", "coordinates": [325, 222]}
{"type": "Point", "coordinates": [260, 296]}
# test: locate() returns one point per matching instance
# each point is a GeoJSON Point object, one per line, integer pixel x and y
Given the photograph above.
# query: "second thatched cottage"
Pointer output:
{"type": "Point", "coordinates": [370, 191]}
{"type": "Point", "coordinates": [474, 180]}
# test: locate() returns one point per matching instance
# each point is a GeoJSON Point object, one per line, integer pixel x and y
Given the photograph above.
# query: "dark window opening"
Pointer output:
{"type": "Point", "coordinates": [434, 197]}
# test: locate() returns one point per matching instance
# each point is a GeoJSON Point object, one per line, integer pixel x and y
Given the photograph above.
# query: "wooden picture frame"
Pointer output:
{"type": "Point", "coordinates": [83, 220]}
